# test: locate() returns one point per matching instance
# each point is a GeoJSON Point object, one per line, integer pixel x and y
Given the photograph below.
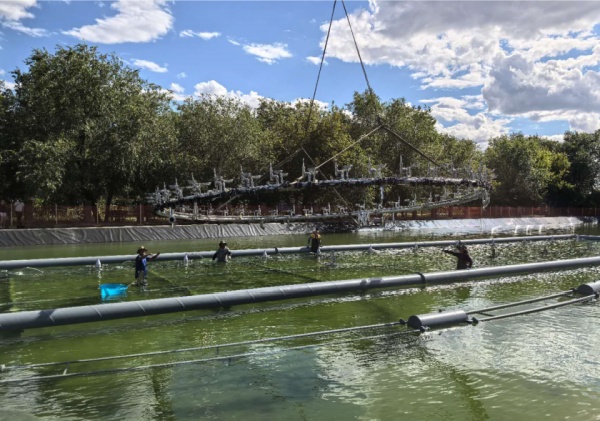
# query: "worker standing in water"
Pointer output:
{"type": "Point", "coordinates": [463, 260]}
{"type": "Point", "coordinates": [314, 241]}
{"type": "Point", "coordinates": [141, 266]}
{"type": "Point", "coordinates": [223, 254]}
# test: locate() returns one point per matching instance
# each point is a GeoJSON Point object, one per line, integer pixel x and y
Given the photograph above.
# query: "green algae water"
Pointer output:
{"type": "Point", "coordinates": [257, 362]}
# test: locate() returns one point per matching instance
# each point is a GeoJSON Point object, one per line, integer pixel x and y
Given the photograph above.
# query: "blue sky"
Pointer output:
{"type": "Point", "coordinates": [485, 68]}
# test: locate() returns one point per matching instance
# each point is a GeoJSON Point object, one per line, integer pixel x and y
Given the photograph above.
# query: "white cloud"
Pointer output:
{"type": "Point", "coordinates": [208, 35]}
{"type": "Point", "coordinates": [556, 137]}
{"type": "Point", "coordinates": [252, 99]}
{"type": "Point", "coordinates": [520, 86]}
{"type": "Point", "coordinates": [181, 75]}
{"type": "Point", "coordinates": [585, 122]}
{"type": "Point", "coordinates": [211, 87]}
{"type": "Point", "coordinates": [578, 121]}
{"type": "Point", "coordinates": [188, 33]}
{"type": "Point", "coordinates": [532, 59]}
{"type": "Point", "coordinates": [319, 104]}
{"type": "Point", "coordinates": [7, 84]}
{"type": "Point", "coordinates": [135, 21]}
{"type": "Point", "coordinates": [454, 118]}
{"type": "Point", "coordinates": [533, 49]}
{"type": "Point", "coordinates": [18, 26]}
{"type": "Point", "coordinates": [316, 60]}
{"type": "Point", "coordinates": [234, 42]}
{"type": "Point", "coordinates": [268, 53]}
{"type": "Point", "coordinates": [215, 88]}
{"type": "Point", "coordinates": [175, 87]}
{"type": "Point", "coordinates": [149, 65]}
{"type": "Point", "coordinates": [478, 128]}
{"type": "Point", "coordinates": [15, 10]}
{"type": "Point", "coordinates": [176, 92]}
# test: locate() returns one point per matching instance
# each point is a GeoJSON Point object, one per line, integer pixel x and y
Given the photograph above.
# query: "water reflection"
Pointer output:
{"type": "Point", "coordinates": [542, 365]}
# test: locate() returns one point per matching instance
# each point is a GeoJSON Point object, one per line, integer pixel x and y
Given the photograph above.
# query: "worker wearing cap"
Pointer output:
{"type": "Point", "coordinates": [223, 253]}
{"type": "Point", "coordinates": [314, 241]}
{"type": "Point", "coordinates": [141, 266]}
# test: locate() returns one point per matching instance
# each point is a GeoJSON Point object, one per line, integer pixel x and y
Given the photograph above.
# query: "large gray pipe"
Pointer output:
{"type": "Point", "coordinates": [82, 261]}
{"type": "Point", "coordinates": [100, 312]}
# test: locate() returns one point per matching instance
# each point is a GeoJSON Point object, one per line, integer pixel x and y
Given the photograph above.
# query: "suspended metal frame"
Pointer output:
{"type": "Point", "coordinates": [477, 184]}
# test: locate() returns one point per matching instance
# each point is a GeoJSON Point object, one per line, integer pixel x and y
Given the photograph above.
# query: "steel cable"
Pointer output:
{"type": "Point", "coordinates": [203, 348]}
{"type": "Point", "coordinates": [197, 361]}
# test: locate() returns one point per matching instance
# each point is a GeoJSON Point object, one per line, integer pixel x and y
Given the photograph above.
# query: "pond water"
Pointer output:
{"type": "Point", "coordinates": [257, 362]}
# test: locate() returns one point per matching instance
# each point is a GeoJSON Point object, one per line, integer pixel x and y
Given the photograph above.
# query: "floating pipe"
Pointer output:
{"type": "Point", "coordinates": [444, 318]}
{"type": "Point", "coordinates": [589, 289]}
{"type": "Point", "coordinates": [455, 317]}
{"type": "Point", "coordinates": [83, 261]}
{"type": "Point", "coordinates": [63, 316]}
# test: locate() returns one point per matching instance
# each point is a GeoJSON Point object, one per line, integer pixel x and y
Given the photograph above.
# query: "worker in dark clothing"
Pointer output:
{"type": "Point", "coordinates": [141, 266]}
{"type": "Point", "coordinates": [223, 254]}
{"type": "Point", "coordinates": [463, 261]}
{"type": "Point", "coordinates": [314, 241]}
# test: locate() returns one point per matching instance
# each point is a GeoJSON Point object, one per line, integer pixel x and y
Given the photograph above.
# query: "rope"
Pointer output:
{"type": "Point", "coordinates": [410, 145]}
{"type": "Point", "coordinates": [202, 360]}
{"type": "Point", "coordinates": [207, 347]}
{"type": "Point", "coordinates": [350, 146]}
{"type": "Point", "coordinates": [362, 65]}
{"type": "Point", "coordinates": [312, 101]}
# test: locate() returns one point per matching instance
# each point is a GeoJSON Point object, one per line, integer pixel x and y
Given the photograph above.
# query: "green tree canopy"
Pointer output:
{"type": "Point", "coordinates": [583, 177]}
{"type": "Point", "coordinates": [526, 168]}
{"type": "Point", "coordinates": [89, 126]}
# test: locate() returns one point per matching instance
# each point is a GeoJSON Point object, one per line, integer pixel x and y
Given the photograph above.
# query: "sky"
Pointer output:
{"type": "Point", "coordinates": [484, 68]}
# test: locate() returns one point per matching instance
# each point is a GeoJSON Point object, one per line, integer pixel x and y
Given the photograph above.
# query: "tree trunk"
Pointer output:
{"type": "Point", "coordinates": [109, 199]}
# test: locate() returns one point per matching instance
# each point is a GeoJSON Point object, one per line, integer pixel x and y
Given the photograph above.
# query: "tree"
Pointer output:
{"type": "Point", "coordinates": [7, 139]}
{"type": "Point", "coordinates": [222, 134]}
{"type": "Point", "coordinates": [89, 125]}
{"type": "Point", "coordinates": [412, 139]}
{"type": "Point", "coordinates": [526, 168]}
{"type": "Point", "coordinates": [583, 152]}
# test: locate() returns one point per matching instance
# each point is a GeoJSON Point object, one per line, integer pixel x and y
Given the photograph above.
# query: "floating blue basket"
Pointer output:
{"type": "Point", "coordinates": [113, 291]}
